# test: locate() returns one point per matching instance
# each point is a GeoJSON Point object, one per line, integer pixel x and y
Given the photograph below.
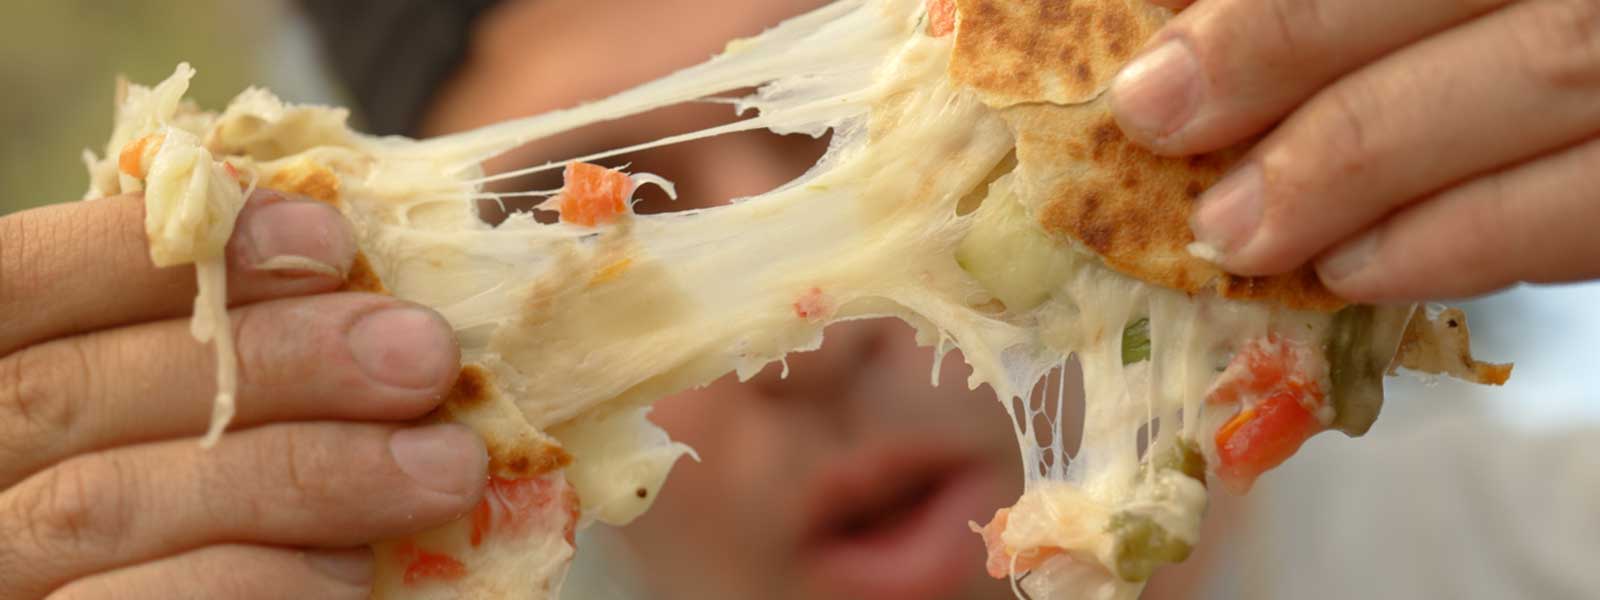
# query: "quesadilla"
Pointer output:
{"type": "Point", "coordinates": [975, 186]}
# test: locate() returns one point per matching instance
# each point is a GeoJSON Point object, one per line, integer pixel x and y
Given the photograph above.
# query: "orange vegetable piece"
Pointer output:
{"type": "Point", "coordinates": [1274, 382]}
{"type": "Point", "coordinates": [423, 565]}
{"type": "Point", "coordinates": [941, 17]}
{"type": "Point", "coordinates": [1262, 366]}
{"type": "Point", "coordinates": [131, 160]}
{"type": "Point", "coordinates": [509, 506]}
{"type": "Point", "coordinates": [594, 195]}
{"type": "Point", "coordinates": [1260, 438]}
{"type": "Point", "coordinates": [812, 305]}
{"type": "Point", "coordinates": [1000, 563]}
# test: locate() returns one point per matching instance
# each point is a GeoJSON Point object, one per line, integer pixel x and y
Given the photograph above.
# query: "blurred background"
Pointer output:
{"type": "Point", "coordinates": [62, 58]}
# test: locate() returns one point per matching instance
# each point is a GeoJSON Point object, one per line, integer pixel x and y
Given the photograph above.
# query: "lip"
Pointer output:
{"type": "Point", "coordinates": [923, 550]}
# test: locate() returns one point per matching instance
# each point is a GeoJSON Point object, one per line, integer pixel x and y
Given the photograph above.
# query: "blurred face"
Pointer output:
{"type": "Point", "coordinates": [853, 477]}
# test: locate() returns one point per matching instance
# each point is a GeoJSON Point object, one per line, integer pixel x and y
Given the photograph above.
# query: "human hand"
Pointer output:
{"type": "Point", "coordinates": [104, 490]}
{"type": "Point", "coordinates": [1412, 150]}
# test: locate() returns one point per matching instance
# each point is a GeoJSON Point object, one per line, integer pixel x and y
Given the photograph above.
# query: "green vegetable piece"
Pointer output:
{"type": "Point", "coordinates": [1011, 256]}
{"type": "Point", "coordinates": [1184, 457]}
{"type": "Point", "coordinates": [1142, 546]}
{"type": "Point", "coordinates": [1363, 342]}
{"type": "Point", "coordinates": [1136, 342]}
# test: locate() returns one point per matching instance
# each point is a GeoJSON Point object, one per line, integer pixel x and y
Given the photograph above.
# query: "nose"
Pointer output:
{"type": "Point", "coordinates": [848, 351]}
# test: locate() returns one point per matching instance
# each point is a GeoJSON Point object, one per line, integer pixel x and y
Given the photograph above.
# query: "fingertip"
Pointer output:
{"type": "Point", "coordinates": [408, 347]}
{"type": "Point", "coordinates": [1157, 94]}
{"type": "Point", "coordinates": [292, 236]}
{"type": "Point", "coordinates": [1352, 271]}
{"type": "Point", "coordinates": [448, 458]}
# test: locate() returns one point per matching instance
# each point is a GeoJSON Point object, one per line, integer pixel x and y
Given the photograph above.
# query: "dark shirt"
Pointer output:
{"type": "Point", "coordinates": [392, 55]}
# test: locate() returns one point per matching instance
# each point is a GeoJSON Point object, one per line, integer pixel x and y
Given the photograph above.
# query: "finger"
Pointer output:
{"type": "Point", "coordinates": [1226, 70]}
{"type": "Point", "coordinates": [82, 266]}
{"type": "Point", "coordinates": [237, 572]}
{"type": "Point", "coordinates": [315, 485]}
{"type": "Point", "coordinates": [340, 356]}
{"type": "Point", "coordinates": [1531, 223]}
{"type": "Point", "coordinates": [1492, 93]}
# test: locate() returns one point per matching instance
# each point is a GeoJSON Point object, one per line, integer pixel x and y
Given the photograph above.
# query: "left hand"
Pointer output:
{"type": "Point", "coordinates": [1421, 149]}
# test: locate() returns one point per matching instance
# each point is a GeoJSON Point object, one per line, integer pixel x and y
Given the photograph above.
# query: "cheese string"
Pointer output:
{"type": "Point", "coordinates": [210, 323]}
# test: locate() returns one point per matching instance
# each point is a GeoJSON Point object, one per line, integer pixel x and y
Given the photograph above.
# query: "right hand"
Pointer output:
{"type": "Point", "coordinates": [104, 490]}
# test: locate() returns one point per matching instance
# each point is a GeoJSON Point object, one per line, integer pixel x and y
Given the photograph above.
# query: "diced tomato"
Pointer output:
{"type": "Point", "coordinates": [131, 160]}
{"type": "Point", "coordinates": [1278, 385]}
{"type": "Point", "coordinates": [423, 565]}
{"type": "Point", "coordinates": [1261, 366]}
{"type": "Point", "coordinates": [1001, 564]}
{"type": "Point", "coordinates": [1260, 438]}
{"type": "Point", "coordinates": [514, 506]}
{"type": "Point", "coordinates": [941, 17]}
{"type": "Point", "coordinates": [594, 195]}
{"type": "Point", "coordinates": [482, 521]}
{"type": "Point", "coordinates": [812, 305]}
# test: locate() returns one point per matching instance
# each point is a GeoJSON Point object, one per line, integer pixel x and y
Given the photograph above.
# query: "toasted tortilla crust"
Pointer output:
{"type": "Point", "coordinates": [1084, 180]}
{"type": "Point", "coordinates": [1057, 51]}
{"type": "Point", "coordinates": [1437, 341]}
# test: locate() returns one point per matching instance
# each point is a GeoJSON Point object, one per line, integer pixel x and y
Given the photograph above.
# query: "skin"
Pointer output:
{"type": "Point", "coordinates": [1432, 149]}
{"type": "Point", "coordinates": [104, 490]}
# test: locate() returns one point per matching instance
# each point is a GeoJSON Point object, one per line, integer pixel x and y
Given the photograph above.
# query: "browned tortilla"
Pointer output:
{"type": "Point", "coordinates": [1057, 51]}
{"type": "Point", "coordinates": [1047, 65]}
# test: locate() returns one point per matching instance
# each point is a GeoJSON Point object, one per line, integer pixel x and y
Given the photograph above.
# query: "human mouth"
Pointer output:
{"type": "Point", "coordinates": [896, 528]}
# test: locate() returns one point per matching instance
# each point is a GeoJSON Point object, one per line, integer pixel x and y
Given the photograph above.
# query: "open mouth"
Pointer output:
{"type": "Point", "coordinates": [897, 528]}
{"type": "Point", "coordinates": [882, 517]}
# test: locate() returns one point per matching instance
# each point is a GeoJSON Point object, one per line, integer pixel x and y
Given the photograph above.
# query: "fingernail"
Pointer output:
{"type": "Point", "coordinates": [1229, 213]}
{"type": "Point", "coordinates": [446, 458]}
{"type": "Point", "coordinates": [350, 566]}
{"type": "Point", "coordinates": [299, 229]}
{"type": "Point", "coordinates": [1350, 258]}
{"type": "Point", "coordinates": [404, 347]}
{"type": "Point", "coordinates": [1156, 95]}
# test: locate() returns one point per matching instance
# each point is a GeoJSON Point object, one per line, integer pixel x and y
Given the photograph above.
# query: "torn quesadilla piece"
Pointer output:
{"type": "Point", "coordinates": [969, 189]}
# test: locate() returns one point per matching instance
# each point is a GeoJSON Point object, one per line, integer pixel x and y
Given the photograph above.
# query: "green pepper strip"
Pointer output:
{"type": "Point", "coordinates": [1136, 342]}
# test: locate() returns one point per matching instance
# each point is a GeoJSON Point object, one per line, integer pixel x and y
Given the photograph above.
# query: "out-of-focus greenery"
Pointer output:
{"type": "Point", "coordinates": [61, 60]}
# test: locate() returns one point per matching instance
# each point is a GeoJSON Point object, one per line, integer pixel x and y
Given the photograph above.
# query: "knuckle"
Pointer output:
{"type": "Point", "coordinates": [1330, 143]}
{"type": "Point", "coordinates": [78, 507]}
{"type": "Point", "coordinates": [15, 237]}
{"type": "Point", "coordinates": [299, 471]}
{"type": "Point", "coordinates": [1492, 242]}
{"type": "Point", "coordinates": [1558, 42]}
{"type": "Point", "coordinates": [1297, 29]}
{"type": "Point", "coordinates": [1345, 138]}
{"type": "Point", "coordinates": [42, 389]}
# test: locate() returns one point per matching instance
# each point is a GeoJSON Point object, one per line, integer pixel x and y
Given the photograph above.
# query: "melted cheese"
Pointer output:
{"type": "Point", "coordinates": [581, 327]}
{"type": "Point", "coordinates": [191, 202]}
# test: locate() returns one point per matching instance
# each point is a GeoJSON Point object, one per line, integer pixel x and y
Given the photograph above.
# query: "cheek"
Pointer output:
{"type": "Point", "coordinates": [737, 435]}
